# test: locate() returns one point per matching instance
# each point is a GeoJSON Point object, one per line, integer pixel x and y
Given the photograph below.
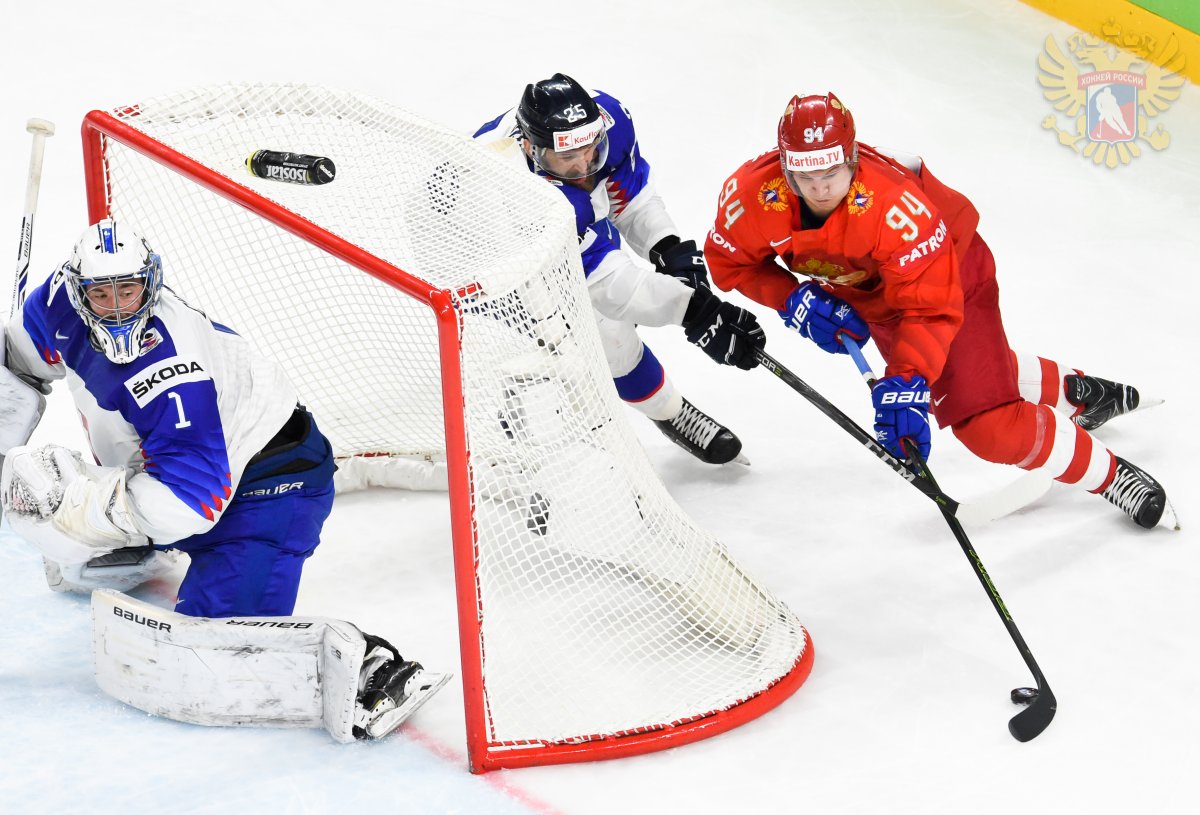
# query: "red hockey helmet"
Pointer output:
{"type": "Point", "coordinates": [816, 133]}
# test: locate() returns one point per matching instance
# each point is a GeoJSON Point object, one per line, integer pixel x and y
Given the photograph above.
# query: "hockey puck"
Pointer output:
{"type": "Point", "coordinates": [1023, 696]}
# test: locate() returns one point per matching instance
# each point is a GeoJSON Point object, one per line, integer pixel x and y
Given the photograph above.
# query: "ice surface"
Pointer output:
{"type": "Point", "coordinates": [906, 708]}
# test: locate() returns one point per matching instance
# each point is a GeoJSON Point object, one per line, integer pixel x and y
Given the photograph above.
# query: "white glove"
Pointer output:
{"type": "Point", "coordinates": [34, 478]}
{"type": "Point", "coordinates": [69, 510]}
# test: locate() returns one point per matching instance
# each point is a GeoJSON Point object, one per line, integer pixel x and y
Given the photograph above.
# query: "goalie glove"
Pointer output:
{"type": "Point", "coordinates": [69, 510]}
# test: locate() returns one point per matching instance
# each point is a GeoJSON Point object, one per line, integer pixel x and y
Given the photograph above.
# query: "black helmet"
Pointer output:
{"type": "Point", "coordinates": [558, 116]}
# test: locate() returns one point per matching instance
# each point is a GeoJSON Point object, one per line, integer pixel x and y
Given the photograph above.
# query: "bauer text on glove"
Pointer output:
{"type": "Point", "coordinates": [821, 317]}
{"type": "Point", "coordinates": [902, 412]}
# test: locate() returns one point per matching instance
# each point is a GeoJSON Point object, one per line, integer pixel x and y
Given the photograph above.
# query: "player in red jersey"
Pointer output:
{"type": "Point", "coordinates": [848, 242]}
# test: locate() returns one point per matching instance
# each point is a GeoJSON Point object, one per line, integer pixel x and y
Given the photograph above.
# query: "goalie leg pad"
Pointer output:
{"type": "Point", "coordinates": [281, 671]}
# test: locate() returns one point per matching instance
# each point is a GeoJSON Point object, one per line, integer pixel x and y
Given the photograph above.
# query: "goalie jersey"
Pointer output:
{"type": "Point", "coordinates": [183, 419]}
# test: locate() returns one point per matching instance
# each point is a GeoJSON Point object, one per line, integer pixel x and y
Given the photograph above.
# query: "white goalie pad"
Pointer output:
{"type": "Point", "coordinates": [262, 671]}
{"type": "Point", "coordinates": [21, 409]}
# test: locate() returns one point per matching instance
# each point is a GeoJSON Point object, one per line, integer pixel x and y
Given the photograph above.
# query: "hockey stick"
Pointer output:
{"type": "Point", "coordinates": [1034, 719]}
{"type": "Point", "coordinates": [1042, 705]}
{"type": "Point", "coordinates": [41, 130]}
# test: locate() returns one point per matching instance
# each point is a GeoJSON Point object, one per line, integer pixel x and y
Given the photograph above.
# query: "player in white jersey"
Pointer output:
{"type": "Point", "coordinates": [584, 143]}
{"type": "Point", "coordinates": [200, 443]}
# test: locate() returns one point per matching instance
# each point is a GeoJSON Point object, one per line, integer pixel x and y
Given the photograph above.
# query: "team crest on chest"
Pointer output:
{"type": "Point", "coordinates": [833, 272]}
{"type": "Point", "coordinates": [859, 198]}
{"type": "Point", "coordinates": [773, 195]}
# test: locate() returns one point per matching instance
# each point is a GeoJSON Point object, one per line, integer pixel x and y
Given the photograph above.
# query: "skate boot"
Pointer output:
{"type": "Point", "coordinates": [391, 689]}
{"type": "Point", "coordinates": [1100, 399]}
{"type": "Point", "coordinates": [702, 436]}
{"type": "Point", "coordinates": [1137, 494]}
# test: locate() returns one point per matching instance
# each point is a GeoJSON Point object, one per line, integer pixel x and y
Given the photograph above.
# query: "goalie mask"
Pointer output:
{"type": "Point", "coordinates": [563, 128]}
{"type": "Point", "coordinates": [113, 280]}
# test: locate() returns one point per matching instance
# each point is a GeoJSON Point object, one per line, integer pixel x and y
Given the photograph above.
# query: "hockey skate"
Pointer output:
{"type": "Point", "coordinates": [1102, 400]}
{"type": "Point", "coordinates": [1138, 495]}
{"type": "Point", "coordinates": [390, 689]}
{"type": "Point", "coordinates": [120, 569]}
{"type": "Point", "coordinates": [702, 436]}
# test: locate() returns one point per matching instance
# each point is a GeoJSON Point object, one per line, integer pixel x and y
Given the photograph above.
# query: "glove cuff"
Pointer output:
{"type": "Point", "coordinates": [659, 249]}
{"type": "Point", "coordinates": [702, 302]}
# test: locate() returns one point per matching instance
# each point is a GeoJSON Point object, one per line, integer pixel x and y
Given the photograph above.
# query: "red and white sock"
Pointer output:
{"type": "Point", "coordinates": [1035, 436]}
{"type": "Point", "coordinates": [1043, 382]}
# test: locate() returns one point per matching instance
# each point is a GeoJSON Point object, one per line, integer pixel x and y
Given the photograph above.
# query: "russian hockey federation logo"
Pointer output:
{"type": "Point", "coordinates": [1111, 87]}
{"type": "Point", "coordinates": [859, 198]}
{"type": "Point", "coordinates": [773, 195]}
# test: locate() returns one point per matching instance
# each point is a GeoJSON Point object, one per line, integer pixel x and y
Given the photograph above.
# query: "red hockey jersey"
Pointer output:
{"type": "Point", "coordinates": [891, 250]}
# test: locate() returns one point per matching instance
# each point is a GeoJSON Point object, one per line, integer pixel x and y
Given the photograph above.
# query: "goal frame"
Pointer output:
{"type": "Point", "coordinates": [99, 126]}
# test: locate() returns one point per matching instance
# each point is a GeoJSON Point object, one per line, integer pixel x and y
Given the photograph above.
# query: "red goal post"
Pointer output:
{"type": "Point", "coordinates": [595, 619]}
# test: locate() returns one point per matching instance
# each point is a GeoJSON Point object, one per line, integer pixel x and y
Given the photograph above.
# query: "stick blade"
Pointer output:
{"type": "Point", "coordinates": [1030, 722]}
{"type": "Point", "coordinates": [1016, 495]}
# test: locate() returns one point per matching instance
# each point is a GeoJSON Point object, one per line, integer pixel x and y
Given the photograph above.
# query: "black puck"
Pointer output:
{"type": "Point", "coordinates": [1023, 696]}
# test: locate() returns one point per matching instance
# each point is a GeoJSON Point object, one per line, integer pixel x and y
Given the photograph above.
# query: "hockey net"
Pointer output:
{"type": "Point", "coordinates": [429, 304]}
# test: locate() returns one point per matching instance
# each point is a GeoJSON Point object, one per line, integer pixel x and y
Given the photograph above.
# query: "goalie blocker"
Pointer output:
{"type": "Point", "coordinates": [264, 671]}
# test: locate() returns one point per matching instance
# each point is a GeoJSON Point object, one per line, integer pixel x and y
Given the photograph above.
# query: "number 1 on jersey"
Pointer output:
{"type": "Point", "coordinates": [183, 420]}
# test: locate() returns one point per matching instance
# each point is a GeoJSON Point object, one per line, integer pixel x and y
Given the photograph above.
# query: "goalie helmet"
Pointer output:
{"type": "Point", "coordinates": [113, 281]}
{"type": "Point", "coordinates": [816, 133]}
{"type": "Point", "coordinates": [563, 128]}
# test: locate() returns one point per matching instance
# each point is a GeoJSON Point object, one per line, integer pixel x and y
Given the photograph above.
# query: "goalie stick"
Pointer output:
{"type": "Point", "coordinates": [41, 130]}
{"type": "Point", "coordinates": [1035, 718]}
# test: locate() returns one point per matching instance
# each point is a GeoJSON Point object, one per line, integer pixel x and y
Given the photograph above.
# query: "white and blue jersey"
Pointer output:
{"type": "Point", "coordinates": [183, 419]}
{"type": "Point", "coordinates": [619, 203]}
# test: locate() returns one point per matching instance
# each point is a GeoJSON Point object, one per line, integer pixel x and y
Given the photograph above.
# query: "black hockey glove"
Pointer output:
{"type": "Point", "coordinates": [727, 333]}
{"type": "Point", "coordinates": [682, 261]}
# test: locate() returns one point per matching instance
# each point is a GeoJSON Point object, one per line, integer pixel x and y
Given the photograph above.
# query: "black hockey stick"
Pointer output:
{"type": "Point", "coordinates": [1042, 705]}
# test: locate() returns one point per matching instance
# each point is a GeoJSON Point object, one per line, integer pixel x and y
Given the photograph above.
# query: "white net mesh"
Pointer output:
{"type": "Point", "coordinates": [603, 609]}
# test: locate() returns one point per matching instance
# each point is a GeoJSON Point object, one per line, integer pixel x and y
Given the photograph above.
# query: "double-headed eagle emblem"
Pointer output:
{"type": "Point", "coordinates": [1112, 103]}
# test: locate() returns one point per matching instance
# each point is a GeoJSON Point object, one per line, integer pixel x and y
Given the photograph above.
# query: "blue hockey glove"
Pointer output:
{"type": "Point", "coordinates": [821, 317]}
{"type": "Point", "coordinates": [901, 411]}
{"type": "Point", "coordinates": [682, 261]}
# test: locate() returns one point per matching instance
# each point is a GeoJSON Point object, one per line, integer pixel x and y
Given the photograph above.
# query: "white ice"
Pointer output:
{"type": "Point", "coordinates": [906, 708]}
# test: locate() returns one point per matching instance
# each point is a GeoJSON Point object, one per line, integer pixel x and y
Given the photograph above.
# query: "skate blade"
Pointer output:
{"type": "Point", "coordinates": [426, 684]}
{"type": "Point", "coordinates": [1169, 518]}
{"type": "Point", "coordinates": [1146, 402]}
{"type": "Point", "coordinates": [740, 459]}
